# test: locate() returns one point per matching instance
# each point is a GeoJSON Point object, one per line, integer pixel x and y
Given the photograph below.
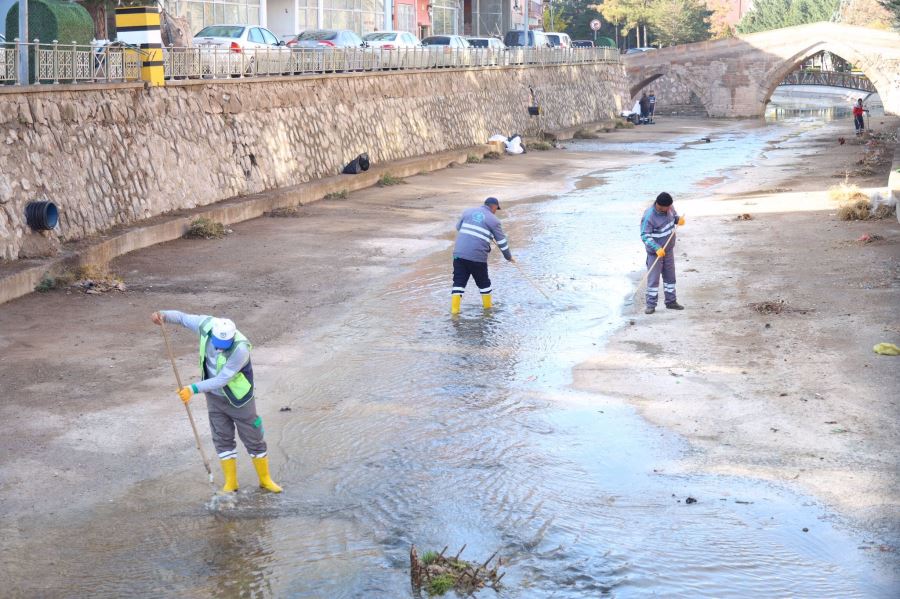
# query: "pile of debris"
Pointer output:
{"type": "Point", "coordinates": [437, 574]}
{"type": "Point", "coordinates": [204, 228]}
{"type": "Point", "coordinates": [776, 307]}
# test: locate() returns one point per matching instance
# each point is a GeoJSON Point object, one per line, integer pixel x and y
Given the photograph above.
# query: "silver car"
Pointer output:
{"type": "Point", "coordinates": [239, 49]}
{"type": "Point", "coordinates": [447, 51]}
{"type": "Point", "coordinates": [237, 38]}
{"type": "Point", "coordinates": [324, 39]}
{"type": "Point", "coordinates": [391, 40]}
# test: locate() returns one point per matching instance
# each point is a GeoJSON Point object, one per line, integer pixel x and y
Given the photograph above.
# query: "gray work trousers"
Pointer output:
{"type": "Point", "coordinates": [224, 417]}
{"type": "Point", "coordinates": [666, 266]}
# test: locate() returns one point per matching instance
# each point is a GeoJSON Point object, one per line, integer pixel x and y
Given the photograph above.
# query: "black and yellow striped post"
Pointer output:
{"type": "Point", "coordinates": [139, 26]}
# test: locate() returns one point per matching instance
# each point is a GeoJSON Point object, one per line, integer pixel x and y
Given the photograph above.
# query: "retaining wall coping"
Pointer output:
{"type": "Point", "coordinates": [43, 88]}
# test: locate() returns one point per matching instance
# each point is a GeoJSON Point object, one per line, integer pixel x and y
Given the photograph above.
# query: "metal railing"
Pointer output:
{"type": "Point", "coordinates": [70, 63]}
{"type": "Point", "coordinates": [200, 62]}
{"type": "Point", "coordinates": [829, 79]}
{"type": "Point", "coordinates": [73, 63]}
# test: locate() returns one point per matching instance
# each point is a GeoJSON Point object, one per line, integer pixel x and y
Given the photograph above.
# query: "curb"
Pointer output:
{"type": "Point", "coordinates": [101, 249]}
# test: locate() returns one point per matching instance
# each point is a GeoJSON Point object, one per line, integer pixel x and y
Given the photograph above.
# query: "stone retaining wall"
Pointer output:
{"type": "Point", "coordinates": [121, 154]}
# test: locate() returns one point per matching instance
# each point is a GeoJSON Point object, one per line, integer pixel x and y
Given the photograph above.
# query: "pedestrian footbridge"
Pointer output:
{"type": "Point", "coordinates": [736, 77]}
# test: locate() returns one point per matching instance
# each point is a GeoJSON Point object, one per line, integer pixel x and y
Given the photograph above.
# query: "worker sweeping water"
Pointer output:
{"type": "Point", "coordinates": [226, 373]}
{"type": "Point", "coordinates": [658, 234]}
{"type": "Point", "coordinates": [477, 227]}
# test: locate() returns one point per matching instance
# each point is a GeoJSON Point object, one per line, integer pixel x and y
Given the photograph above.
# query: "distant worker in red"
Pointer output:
{"type": "Point", "coordinates": [858, 118]}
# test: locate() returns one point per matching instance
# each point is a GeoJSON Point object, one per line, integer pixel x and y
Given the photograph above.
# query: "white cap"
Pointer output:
{"type": "Point", "coordinates": [222, 331]}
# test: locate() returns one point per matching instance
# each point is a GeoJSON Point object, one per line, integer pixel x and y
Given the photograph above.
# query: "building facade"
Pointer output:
{"type": "Point", "coordinates": [287, 18]}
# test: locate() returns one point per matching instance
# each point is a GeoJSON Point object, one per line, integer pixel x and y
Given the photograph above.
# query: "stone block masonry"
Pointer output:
{"type": "Point", "coordinates": [123, 153]}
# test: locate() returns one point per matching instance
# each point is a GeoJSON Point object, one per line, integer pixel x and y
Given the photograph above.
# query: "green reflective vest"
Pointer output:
{"type": "Point", "coordinates": [239, 390]}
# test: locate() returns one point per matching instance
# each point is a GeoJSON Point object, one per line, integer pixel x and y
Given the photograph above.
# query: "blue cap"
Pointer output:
{"type": "Point", "coordinates": [221, 343]}
{"type": "Point", "coordinates": [492, 202]}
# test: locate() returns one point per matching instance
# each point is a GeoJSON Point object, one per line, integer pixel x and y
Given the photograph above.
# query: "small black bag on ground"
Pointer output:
{"type": "Point", "coordinates": [357, 165]}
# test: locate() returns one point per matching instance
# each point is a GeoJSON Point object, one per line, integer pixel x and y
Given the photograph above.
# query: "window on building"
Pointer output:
{"type": "Point", "coordinates": [445, 17]}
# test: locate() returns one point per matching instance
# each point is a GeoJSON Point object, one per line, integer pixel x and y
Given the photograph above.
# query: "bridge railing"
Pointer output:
{"type": "Point", "coordinates": [53, 63]}
{"type": "Point", "coordinates": [829, 79]}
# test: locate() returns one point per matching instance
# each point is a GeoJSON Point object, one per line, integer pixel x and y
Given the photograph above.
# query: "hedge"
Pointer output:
{"type": "Point", "coordinates": [50, 20]}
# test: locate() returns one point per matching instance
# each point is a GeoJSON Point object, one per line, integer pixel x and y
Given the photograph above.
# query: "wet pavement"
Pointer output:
{"type": "Point", "coordinates": [408, 426]}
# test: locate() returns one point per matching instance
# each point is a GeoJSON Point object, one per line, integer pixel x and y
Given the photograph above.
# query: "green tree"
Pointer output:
{"type": "Point", "coordinates": [775, 14]}
{"type": "Point", "coordinates": [893, 7]}
{"type": "Point", "coordinates": [679, 21]}
{"type": "Point", "coordinates": [719, 27]}
{"type": "Point", "coordinates": [560, 21]}
{"type": "Point", "coordinates": [580, 13]}
{"type": "Point", "coordinates": [615, 12]}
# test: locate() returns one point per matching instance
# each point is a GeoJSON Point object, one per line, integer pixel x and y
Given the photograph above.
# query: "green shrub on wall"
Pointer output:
{"type": "Point", "coordinates": [50, 20]}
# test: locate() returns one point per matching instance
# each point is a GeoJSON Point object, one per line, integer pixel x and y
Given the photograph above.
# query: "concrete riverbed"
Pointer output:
{"type": "Point", "coordinates": [566, 433]}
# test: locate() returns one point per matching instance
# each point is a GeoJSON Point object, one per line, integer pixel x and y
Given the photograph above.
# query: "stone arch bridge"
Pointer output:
{"type": "Point", "coordinates": [736, 77]}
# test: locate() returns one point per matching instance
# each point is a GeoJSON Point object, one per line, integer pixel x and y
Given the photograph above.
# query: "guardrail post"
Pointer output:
{"type": "Point", "coordinates": [37, 62]}
{"type": "Point", "coordinates": [55, 62]}
{"type": "Point", "coordinates": [140, 26]}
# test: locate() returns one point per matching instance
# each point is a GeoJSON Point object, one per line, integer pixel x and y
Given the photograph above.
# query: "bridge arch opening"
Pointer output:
{"type": "Point", "coordinates": [674, 94]}
{"type": "Point", "coordinates": [876, 81]}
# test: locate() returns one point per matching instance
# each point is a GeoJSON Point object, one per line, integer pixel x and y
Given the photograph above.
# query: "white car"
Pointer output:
{"type": "Point", "coordinates": [237, 37]}
{"type": "Point", "coordinates": [391, 40]}
{"type": "Point", "coordinates": [448, 41]}
{"type": "Point", "coordinates": [559, 40]}
{"type": "Point", "coordinates": [240, 49]}
{"type": "Point", "coordinates": [493, 43]}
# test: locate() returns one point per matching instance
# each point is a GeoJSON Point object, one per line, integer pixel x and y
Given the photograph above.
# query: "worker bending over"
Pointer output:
{"type": "Point", "coordinates": [226, 377]}
{"type": "Point", "coordinates": [477, 227]}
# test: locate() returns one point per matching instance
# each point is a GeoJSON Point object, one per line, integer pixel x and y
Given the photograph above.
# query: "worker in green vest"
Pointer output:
{"type": "Point", "coordinates": [227, 380]}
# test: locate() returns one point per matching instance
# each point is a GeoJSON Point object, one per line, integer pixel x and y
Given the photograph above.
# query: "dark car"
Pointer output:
{"type": "Point", "coordinates": [516, 38]}
{"type": "Point", "coordinates": [582, 44]}
{"type": "Point", "coordinates": [326, 38]}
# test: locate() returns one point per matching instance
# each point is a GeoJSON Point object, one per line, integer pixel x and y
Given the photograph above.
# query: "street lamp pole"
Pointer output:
{"type": "Point", "coordinates": [23, 40]}
{"type": "Point", "coordinates": [525, 24]}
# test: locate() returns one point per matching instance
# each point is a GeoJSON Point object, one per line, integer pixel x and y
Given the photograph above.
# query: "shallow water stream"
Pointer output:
{"type": "Point", "coordinates": [409, 426]}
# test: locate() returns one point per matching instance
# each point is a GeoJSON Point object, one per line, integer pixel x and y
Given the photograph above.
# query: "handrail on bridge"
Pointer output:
{"type": "Point", "coordinates": [830, 79]}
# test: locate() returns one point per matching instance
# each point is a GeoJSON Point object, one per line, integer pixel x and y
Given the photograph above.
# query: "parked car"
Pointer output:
{"type": "Point", "coordinates": [446, 51]}
{"type": "Point", "coordinates": [559, 40]}
{"type": "Point", "coordinates": [236, 37]}
{"type": "Point", "coordinates": [451, 41]}
{"type": "Point", "coordinates": [582, 44]}
{"type": "Point", "coordinates": [390, 40]}
{"type": "Point", "coordinates": [240, 49]}
{"type": "Point", "coordinates": [327, 38]}
{"type": "Point", "coordinates": [638, 50]}
{"type": "Point", "coordinates": [516, 39]}
{"type": "Point", "coordinates": [494, 43]}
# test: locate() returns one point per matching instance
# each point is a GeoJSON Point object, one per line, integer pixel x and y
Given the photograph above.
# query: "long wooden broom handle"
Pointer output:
{"type": "Point", "coordinates": [162, 325]}
{"type": "Point", "coordinates": [652, 266]}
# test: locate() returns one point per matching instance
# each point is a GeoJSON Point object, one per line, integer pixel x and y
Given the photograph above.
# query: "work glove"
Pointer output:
{"type": "Point", "coordinates": [681, 222]}
{"type": "Point", "coordinates": [185, 393]}
{"type": "Point", "coordinates": [661, 253]}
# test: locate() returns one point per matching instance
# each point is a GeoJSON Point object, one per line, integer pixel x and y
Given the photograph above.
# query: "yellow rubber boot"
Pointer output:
{"type": "Point", "coordinates": [486, 301]}
{"type": "Point", "coordinates": [455, 303]}
{"type": "Point", "coordinates": [229, 467]}
{"type": "Point", "coordinates": [262, 470]}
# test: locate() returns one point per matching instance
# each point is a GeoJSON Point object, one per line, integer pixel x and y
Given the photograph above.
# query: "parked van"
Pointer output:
{"type": "Point", "coordinates": [559, 40]}
{"type": "Point", "coordinates": [516, 39]}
